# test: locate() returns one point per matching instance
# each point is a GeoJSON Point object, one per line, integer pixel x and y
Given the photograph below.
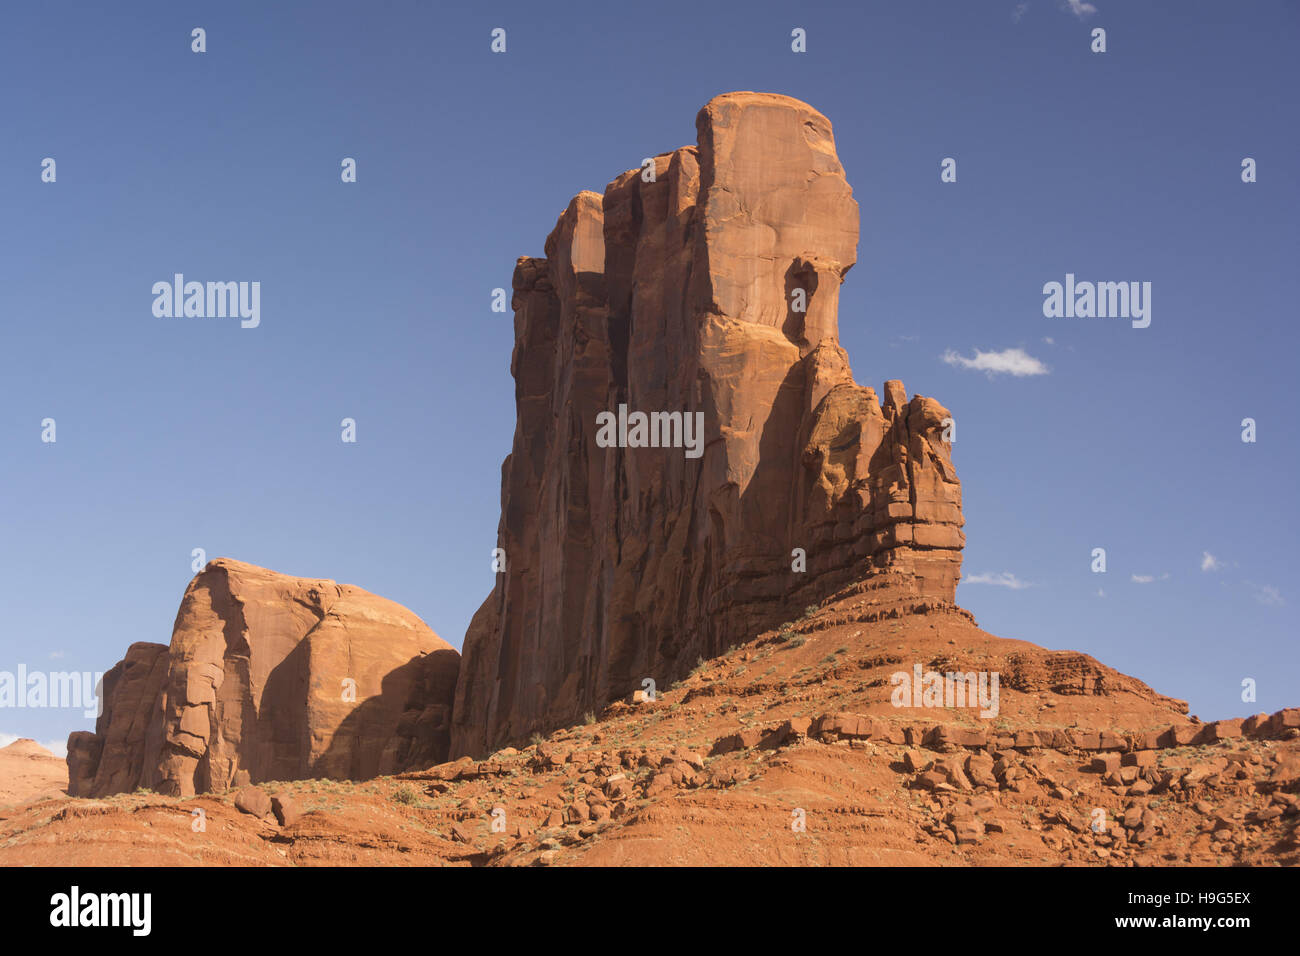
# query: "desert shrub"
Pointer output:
{"type": "Point", "coordinates": [405, 793]}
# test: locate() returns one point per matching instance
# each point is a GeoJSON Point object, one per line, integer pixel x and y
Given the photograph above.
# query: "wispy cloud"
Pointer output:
{"type": "Point", "coordinates": [1080, 8]}
{"type": "Point", "coordinates": [1266, 594]}
{"type": "Point", "coordinates": [1004, 580]}
{"type": "Point", "coordinates": [1015, 362]}
{"type": "Point", "coordinates": [1209, 562]}
{"type": "Point", "coordinates": [1148, 578]}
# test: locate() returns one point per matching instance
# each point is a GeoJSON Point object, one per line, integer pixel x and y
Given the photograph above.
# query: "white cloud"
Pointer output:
{"type": "Point", "coordinates": [1015, 362]}
{"type": "Point", "coordinates": [1143, 578]}
{"type": "Point", "coordinates": [1209, 562]}
{"type": "Point", "coordinates": [1004, 580]}
{"type": "Point", "coordinates": [1080, 8]}
{"type": "Point", "coordinates": [1266, 594]}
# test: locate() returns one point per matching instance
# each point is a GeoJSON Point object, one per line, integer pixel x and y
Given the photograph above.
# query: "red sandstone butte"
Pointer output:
{"type": "Point", "coordinates": [672, 295]}
{"type": "Point", "coordinates": [681, 294]}
{"type": "Point", "coordinates": [270, 677]}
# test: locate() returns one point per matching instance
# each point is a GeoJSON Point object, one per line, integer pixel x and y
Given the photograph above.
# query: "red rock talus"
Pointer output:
{"type": "Point", "coordinates": [708, 287]}
{"type": "Point", "coordinates": [275, 677]}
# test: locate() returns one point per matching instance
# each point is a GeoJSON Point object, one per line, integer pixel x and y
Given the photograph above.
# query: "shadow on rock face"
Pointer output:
{"type": "Point", "coordinates": [406, 726]}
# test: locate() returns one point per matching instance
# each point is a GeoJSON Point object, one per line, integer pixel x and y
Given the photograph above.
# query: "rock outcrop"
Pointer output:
{"type": "Point", "coordinates": [125, 747]}
{"type": "Point", "coordinates": [702, 288]}
{"type": "Point", "coordinates": [270, 677]}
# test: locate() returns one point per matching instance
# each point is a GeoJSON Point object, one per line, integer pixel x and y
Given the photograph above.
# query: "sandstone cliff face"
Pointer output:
{"type": "Point", "coordinates": [128, 733]}
{"type": "Point", "coordinates": [711, 287]}
{"type": "Point", "coordinates": [275, 677]}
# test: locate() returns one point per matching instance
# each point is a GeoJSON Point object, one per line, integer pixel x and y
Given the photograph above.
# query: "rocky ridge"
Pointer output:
{"type": "Point", "coordinates": [1082, 766]}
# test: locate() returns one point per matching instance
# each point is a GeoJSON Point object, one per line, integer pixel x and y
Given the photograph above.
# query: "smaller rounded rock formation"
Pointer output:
{"type": "Point", "coordinates": [270, 677]}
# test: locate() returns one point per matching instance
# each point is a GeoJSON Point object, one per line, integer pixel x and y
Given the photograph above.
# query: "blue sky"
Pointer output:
{"type": "Point", "coordinates": [175, 434]}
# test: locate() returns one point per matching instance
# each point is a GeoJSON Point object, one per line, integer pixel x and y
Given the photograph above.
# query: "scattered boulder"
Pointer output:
{"type": "Point", "coordinates": [286, 809]}
{"type": "Point", "coordinates": [253, 801]}
{"type": "Point", "coordinates": [1105, 763]}
{"type": "Point", "coordinates": [916, 762]}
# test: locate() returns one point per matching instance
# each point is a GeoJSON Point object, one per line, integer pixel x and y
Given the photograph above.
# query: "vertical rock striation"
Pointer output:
{"type": "Point", "coordinates": [710, 287]}
{"type": "Point", "coordinates": [124, 749]}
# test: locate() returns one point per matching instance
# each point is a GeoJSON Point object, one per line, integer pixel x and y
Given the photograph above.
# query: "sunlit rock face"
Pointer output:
{"type": "Point", "coordinates": [708, 288]}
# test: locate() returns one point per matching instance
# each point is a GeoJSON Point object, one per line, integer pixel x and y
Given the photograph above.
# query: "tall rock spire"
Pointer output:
{"type": "Point", "coordinates": [705, 291]}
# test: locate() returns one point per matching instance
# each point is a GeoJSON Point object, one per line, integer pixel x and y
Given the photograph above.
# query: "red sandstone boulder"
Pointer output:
{"type": "Point", "coordinates": [286, 809]}
{"type": "Point", "coordinates": [253, 801]}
